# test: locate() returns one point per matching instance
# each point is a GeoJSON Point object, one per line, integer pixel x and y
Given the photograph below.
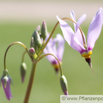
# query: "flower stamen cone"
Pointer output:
{"type": "Point", "coordinates": [88, 60]}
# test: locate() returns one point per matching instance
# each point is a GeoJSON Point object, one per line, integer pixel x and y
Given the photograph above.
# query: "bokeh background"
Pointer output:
{"type": "Point", "coordinates": [18, 20]}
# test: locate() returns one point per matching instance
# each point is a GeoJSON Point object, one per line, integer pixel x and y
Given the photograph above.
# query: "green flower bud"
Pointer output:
{"type": "Point", "coordinates": [23, 69]}
{"type": "Point", "coordinates": [32, 44]}
{"type": "Point", "coordinates": [64, 84]}
{"type": "Point", "coordinates": [38, 40]}
{"type": "Point", "coordinates": [36, 30]}
{"type": "Point", "coordinates": [44, 30]}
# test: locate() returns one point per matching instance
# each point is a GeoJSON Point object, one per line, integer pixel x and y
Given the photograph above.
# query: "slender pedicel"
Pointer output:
{"type": "Point", "coordinates": [23, 56]}
{"type": "Point", "coordinates": [8, 49]}
{"type": "Point", "coordinates": [54, 30]}
{"type": "Point", "coordinates": [55, 58]}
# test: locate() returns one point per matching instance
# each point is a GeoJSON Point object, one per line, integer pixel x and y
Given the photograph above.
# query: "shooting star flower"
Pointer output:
{"type": "Point", "coordinates": [56, 50]}
{"type": "Point", "coordinates": [76, 40]}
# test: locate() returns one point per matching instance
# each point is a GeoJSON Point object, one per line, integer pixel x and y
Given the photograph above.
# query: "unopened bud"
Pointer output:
{"type": "Point", "coordinates": [44, 30]}
{"type": "Point", "coordinates": [38, 40]}
{"type": "Point", "coordinates": [64, 84]}
{"type": "Point", "coordinates": [36, 30]}
{"type": "Point", "coordinates": [31, 51]}
{"type": "Point", "coordinates": [23, 69]}
{"type": "Point", "coordinates": [32, 44]}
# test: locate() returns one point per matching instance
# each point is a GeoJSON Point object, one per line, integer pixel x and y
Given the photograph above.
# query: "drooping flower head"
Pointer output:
{"type": "Point", "coordinates": [56, 47]}
{"type": "Point", "coordinates": [6, 80]}
{"type": "Point", "coordinates": [76, 40]}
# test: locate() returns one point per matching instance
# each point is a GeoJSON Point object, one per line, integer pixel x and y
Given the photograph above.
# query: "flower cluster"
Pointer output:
{"type": "Point", "coordinates": [40, 42]}
{"type": "Point", "coordinates": [53, 48]}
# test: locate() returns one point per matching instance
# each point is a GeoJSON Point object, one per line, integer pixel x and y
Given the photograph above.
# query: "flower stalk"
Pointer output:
{"type": "Point", "coordinates": [8, 49]}
{"type": "Point", "coordinates": [26, 99]}
{"type": "Point", "coordinates": [23, 56]}
{"type": "Point", "coordinates": [55, 58]}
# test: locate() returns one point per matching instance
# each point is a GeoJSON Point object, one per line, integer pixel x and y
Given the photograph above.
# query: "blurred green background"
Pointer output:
{"type": "Point", "coordinates": [46, 87]}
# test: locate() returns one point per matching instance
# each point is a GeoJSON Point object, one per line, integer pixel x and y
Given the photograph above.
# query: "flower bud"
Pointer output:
{"type": "Point", "coordinates": [36, 30]}
{"type": "Point", "coordinates": [44, 30]}
{"type": "Point", "coordinates": [23, 69]}
{"type": "Point", "coordinates": [32, 44]}
{"type": "Point", "coordinates": [31, 51]}
{"type": "Point", "coordinates": [64, 84]}
{"type": "Point", "coordinates": [6, 80]}
{"type": "Point", "coordinates": [38, 40]}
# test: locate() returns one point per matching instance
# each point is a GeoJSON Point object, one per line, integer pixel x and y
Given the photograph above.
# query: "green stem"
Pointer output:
{"type": "Point", "coordinates": [55, 58]}
{"type": "Point", "coordinates": [8, 49]}
{"type": "Point", "coordinates": [26, 99]}
{"type": "Point", "coordinates": [53, 32]}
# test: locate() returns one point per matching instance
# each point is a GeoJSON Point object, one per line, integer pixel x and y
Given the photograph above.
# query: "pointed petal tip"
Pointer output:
{"type": "Point", "coordinates": [100, 9]}
{"type": "Point", "coordinates": [80, 20]}
{"type": "Point", "coordinates": [91, 68]}
{"type": "Point", "coordinates": [72, 13]}
{"type": "Point", "coordinates": [8, 98]}
{"type": "Point", "coordinates": [66, 93]}
{"type": "Point", "coordinates": [22, 80]}
{"type": "Point", "coordinates": [57, 17]}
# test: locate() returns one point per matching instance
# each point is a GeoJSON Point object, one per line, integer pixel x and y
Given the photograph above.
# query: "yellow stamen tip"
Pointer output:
{"type": "Point", "coordinates": [86, 54]}
{"type": "Point", "coordinates": [57, 65]}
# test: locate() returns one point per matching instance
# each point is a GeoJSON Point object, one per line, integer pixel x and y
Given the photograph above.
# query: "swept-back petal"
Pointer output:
{"type": "Point", "coordinates": [80, 20]}
{"type": "Point", "coordinates": [50, 50]}
{"type": "Point", "coordinates": [94, 29]}
{"type": "Point", "coordinates": [60, 46]}
{"type": "Point", "coordinates": [70, 36]}
{"type": "Point", "coordinates": [72, 14]}
{"type": "Point", "coordinates": [102, 15]}
{"type": "Point", "coordinates": [66, 29]}
{"type": "Point", "coordinates": [76, 27]}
